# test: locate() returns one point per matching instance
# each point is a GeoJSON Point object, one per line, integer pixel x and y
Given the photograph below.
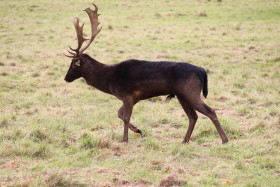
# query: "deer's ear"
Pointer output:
{"type": "Point", "coordinates": [78, 63]}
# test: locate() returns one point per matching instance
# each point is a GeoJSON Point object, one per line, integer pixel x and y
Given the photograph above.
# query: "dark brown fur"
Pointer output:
{"type": "Point", "coordinates": [135, 80]}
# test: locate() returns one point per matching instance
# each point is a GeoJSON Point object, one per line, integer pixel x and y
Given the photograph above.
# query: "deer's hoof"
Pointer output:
{"type": "Point", "coordinates": [124, 140]}
{"type": "Point", "coordinates": [224, 142]}
{"type": "Point", "coordinates": [139, 131]}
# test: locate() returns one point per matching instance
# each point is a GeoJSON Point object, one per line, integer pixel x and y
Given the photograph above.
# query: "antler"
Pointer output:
{"type": "Point", "coordinates": [93, 16]}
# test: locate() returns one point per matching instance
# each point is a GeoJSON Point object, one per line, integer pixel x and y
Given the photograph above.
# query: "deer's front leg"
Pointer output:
{"type": "Point", "coordinates": [130, 126]}
{"type": "Point", "coordinates": [124, 114]}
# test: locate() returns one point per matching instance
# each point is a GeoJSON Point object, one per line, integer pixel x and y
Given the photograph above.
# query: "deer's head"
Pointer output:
{"type": "Point", "coordinates": [79, 61]}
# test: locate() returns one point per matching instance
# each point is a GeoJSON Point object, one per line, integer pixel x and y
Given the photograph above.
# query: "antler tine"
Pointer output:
{"type": "Point", "coordinates": [93, 16]}
{"type": "Point", "coordinates": [69, 56]}
{"type": "Point", "coordinates": [71, 48]}
{"type": "Point", "coordinates": [96, 8]}
{"type": "Point", "coordinates": [72, 53]}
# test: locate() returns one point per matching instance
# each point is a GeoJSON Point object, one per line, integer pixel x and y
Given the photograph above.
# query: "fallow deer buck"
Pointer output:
{"type": "Point", "coordinates": [135, 80]}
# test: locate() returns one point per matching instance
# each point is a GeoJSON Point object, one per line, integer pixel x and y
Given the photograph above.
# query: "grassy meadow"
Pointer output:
{"type": "Point", "coordinates": [58, 134]}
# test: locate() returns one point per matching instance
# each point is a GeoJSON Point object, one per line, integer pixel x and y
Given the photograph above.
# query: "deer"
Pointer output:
{"type": "Point", "coordinates": [134, 80]}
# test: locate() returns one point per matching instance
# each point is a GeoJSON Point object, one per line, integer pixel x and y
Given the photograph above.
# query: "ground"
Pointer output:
{"type": "Point", "coordinates": [54, 134]}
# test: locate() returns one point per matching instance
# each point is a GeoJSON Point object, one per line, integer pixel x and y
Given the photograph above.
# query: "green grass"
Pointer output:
{"type": "Point", "coordinates": [58, 134]}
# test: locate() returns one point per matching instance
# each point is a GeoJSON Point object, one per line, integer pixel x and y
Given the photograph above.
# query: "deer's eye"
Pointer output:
{"type": "Point", "coordinates": [73, 66]}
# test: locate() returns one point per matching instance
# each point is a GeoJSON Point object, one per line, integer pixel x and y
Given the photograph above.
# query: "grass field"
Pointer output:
{"type": "Point", "coordinates": [58, 134]}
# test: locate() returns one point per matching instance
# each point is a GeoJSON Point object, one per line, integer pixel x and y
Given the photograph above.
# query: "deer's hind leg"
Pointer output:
{"type": "Point", "coordinates": [197, 104]}
{"type": "Point", "coordinates": [192, 119]}
{"type": "Point", "coordinates": [210, 113]}
{"type": "Point", "coordinates": [189, 97]}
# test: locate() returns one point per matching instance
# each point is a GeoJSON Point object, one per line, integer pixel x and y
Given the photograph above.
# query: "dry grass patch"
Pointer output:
{"type": "Point", "coordinates": [60, 179]}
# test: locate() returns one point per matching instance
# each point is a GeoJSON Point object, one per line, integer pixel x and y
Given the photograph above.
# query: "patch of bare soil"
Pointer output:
{"type": "Point", "coordinates": [12, 164]}
{"type": "Point", "coordinates": [225, 111]}
{"type": "Point", "coordinates": [107, 184]}
{"type": "Point", "coordinates": [222, 99]}
{"type": "Point", "coordinates": [172, 180]}
{"type": "Point", "coordinates": [123, 182]}
{"type": "Point", "coordinates": [207, 144]}
{"type": "Point", "coordinates": [179, 113]}
{"type": "Point", "coordinates": [117, 150]}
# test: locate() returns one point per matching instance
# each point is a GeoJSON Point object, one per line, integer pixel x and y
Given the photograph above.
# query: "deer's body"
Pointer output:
{"type": "Point", "coordinates": [135, 80]}
{"type": "Point", "coordinates": [144, 79]}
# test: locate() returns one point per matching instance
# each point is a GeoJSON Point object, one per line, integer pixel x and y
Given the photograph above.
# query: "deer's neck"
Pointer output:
{"type": "Point", "coordinates": [98, 75]}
